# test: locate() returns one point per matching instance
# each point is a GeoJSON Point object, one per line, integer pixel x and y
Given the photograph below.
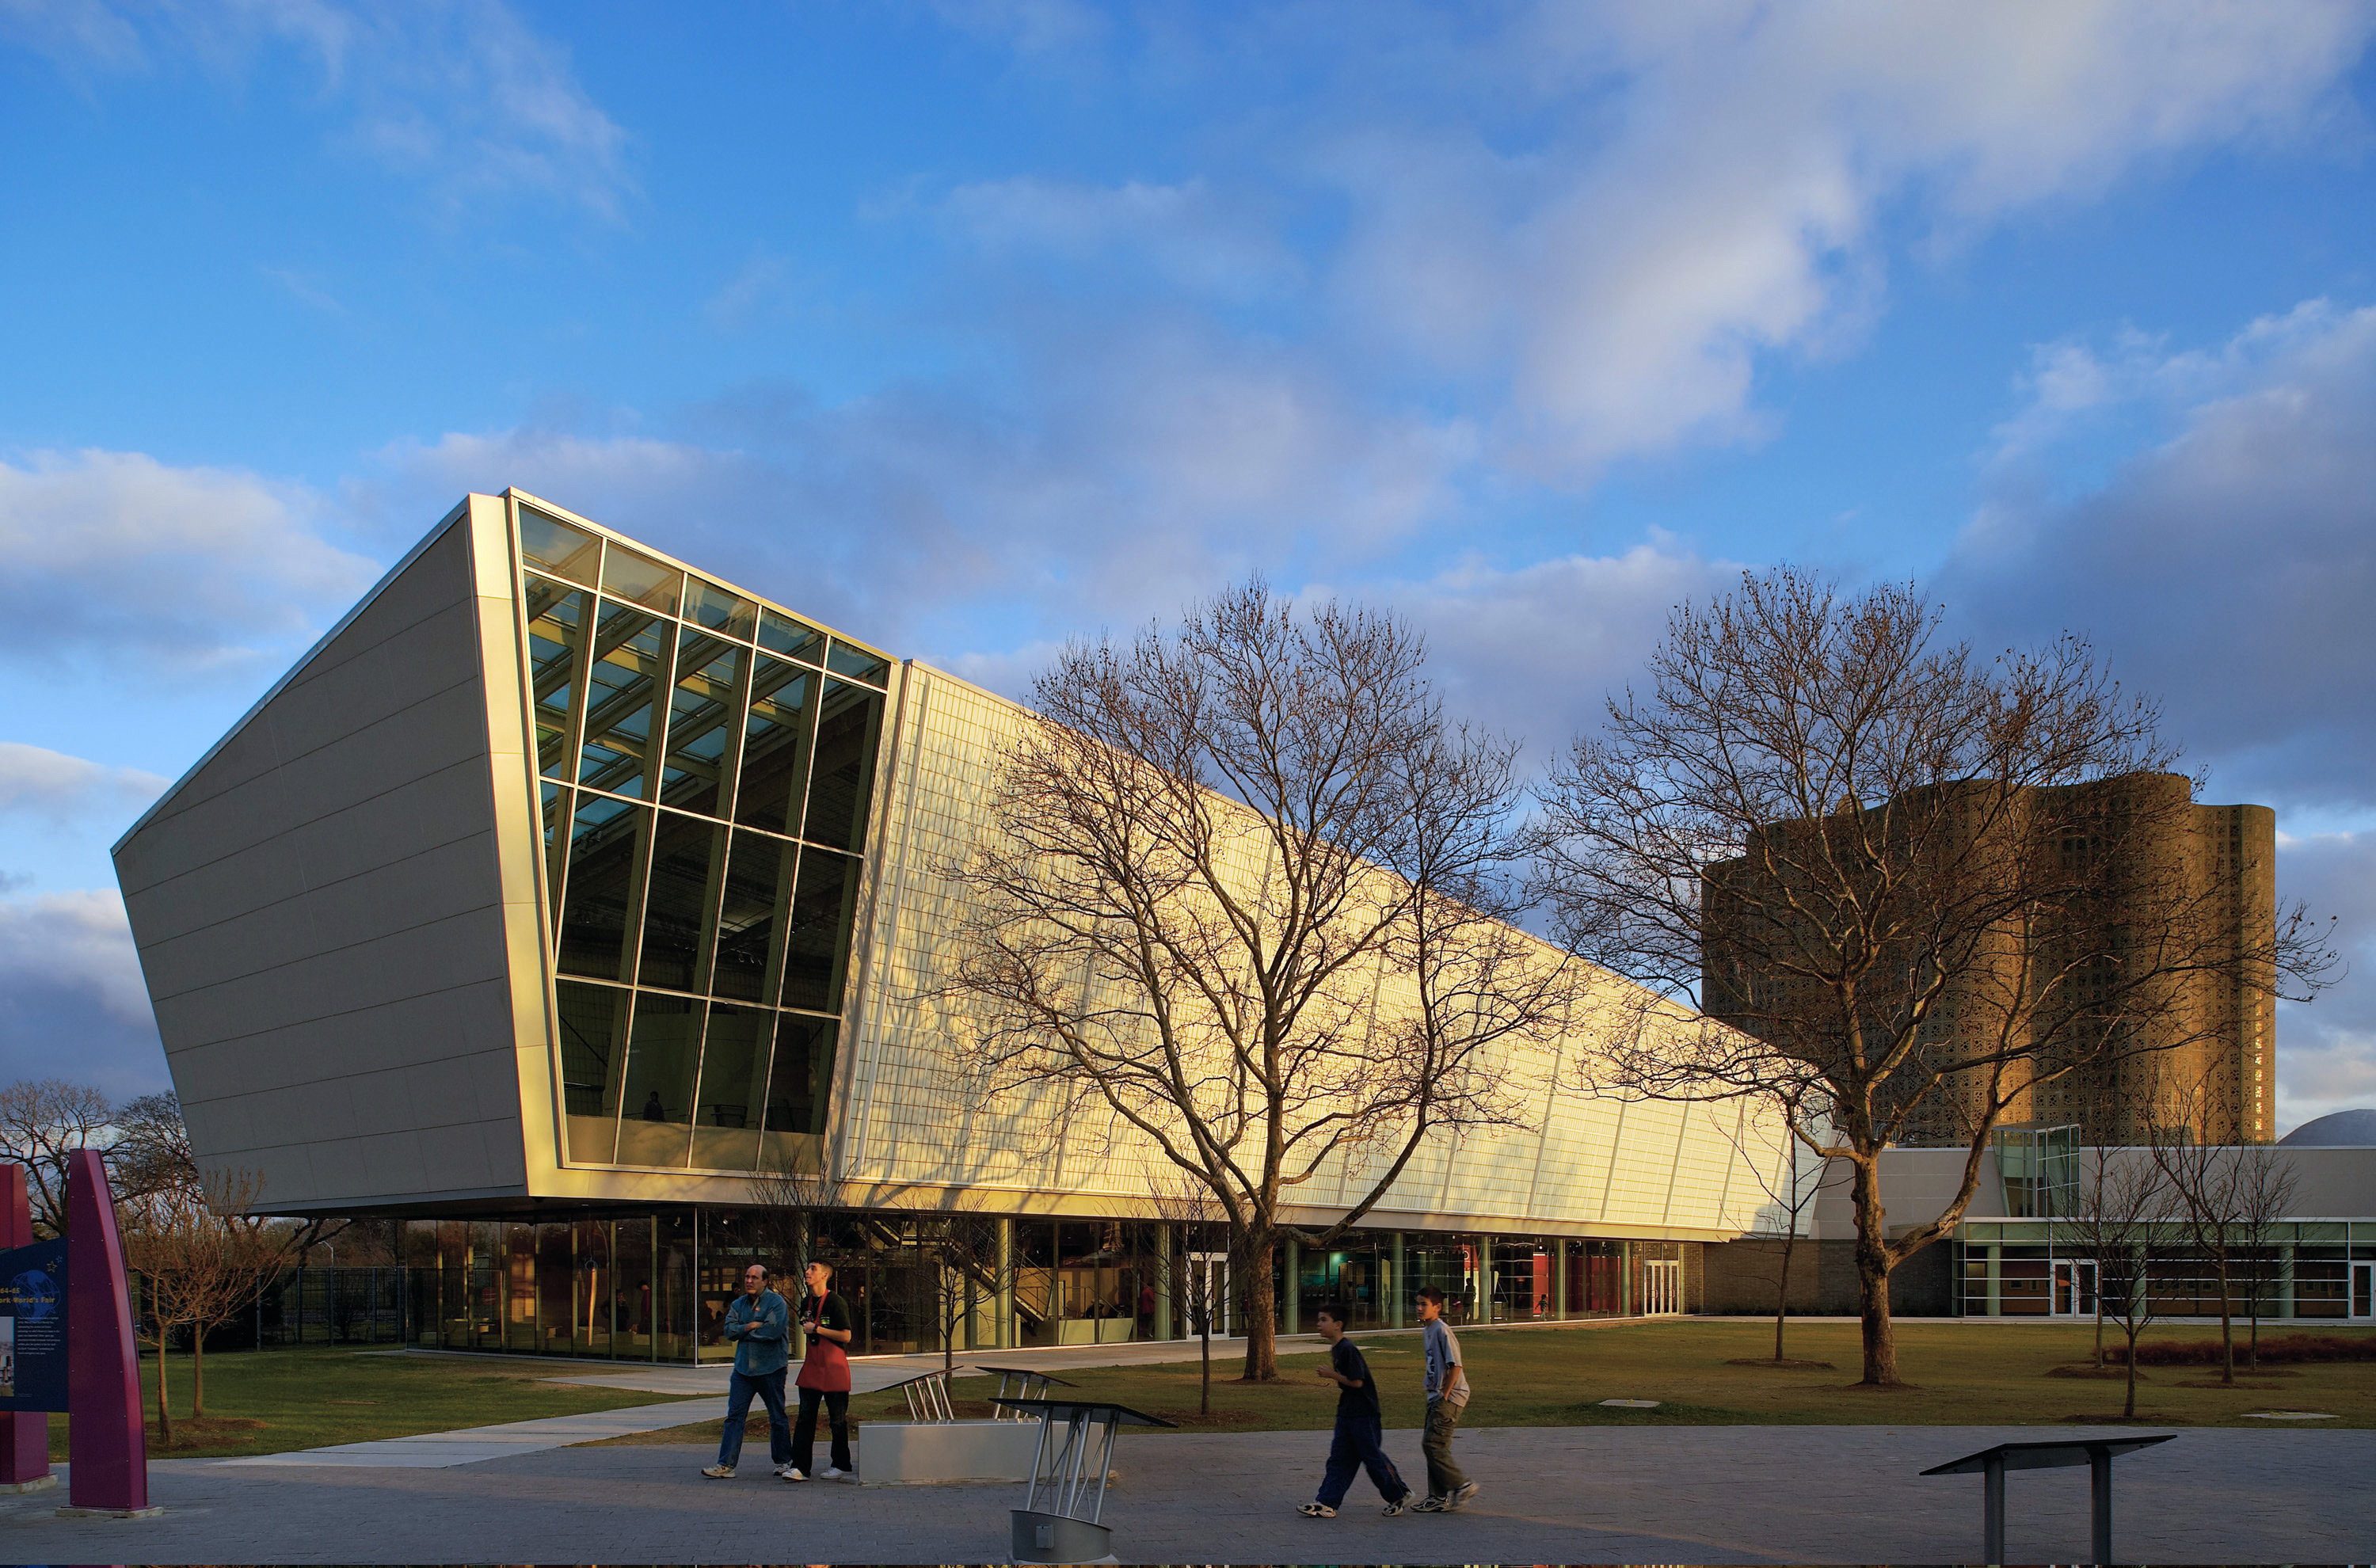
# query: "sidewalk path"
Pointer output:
{"type": "Point", "coordinates": [1553, 1494]}
{"type": "Point", "coordinates": [439, 1450]}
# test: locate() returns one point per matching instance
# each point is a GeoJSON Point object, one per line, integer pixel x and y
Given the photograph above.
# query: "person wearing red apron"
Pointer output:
{"type": "Point", "coordinates": [824, 1376]}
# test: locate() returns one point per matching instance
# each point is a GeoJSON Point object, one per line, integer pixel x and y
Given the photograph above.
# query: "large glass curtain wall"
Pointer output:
{"type": "Point", "coordinates": [2313, 1270]}
{"type": "Point", "coordinates": [706, 764]}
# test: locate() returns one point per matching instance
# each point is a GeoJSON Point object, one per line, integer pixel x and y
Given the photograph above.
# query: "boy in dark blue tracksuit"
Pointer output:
{"type": "Point", "coordinates": [1359, 1427]}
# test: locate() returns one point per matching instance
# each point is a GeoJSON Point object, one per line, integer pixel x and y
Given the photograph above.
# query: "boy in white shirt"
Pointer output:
{"type": "Point", "coordinates": [1447, 1390]}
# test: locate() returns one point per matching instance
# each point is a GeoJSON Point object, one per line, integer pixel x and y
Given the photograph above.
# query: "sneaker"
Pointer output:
{"type": "Point", "coordinates": [1397, 1508]}
{"type": "Point", "coordinates": [792, 1474]}
{"type": "Point", "coordinates": [719, 1472]}
{"type": "Point", "coordinates": [831, 1473]}
{"type": "Point", "coordinates": [1460, 1499]}
{"type": "Point", "coordinates": [1429, 1505]}
{"type": "Point", "coordinates": [1317, 1511]}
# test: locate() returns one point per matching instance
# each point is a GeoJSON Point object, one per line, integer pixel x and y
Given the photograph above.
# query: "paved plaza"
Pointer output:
{"type": "Point", "coordinates": [1666, 1494]}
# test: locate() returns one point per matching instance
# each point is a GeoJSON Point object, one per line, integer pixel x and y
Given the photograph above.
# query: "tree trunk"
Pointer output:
{"type": "Point", "coordinates": [1782, 1305]}
{"type": "Point", "coordinates": [1260, 1302]}
{"type": "Point", "coordinates": [198, 1371]}
{"type": "Point", "coordinates": [164, 1412]}
{"type": "Point", "coordinates": [2227, 1327]}
{"type": "Point", "coordinates": [2128, 1410]}
{"type": "Point", "coordinates": [1872, 1275]}
{"type": "Point", "coordinates": [2099, 1326]}
{"type": "Point", "coordinates": [1204, 1405]}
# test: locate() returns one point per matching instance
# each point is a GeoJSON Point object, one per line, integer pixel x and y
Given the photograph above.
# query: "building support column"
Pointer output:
{"type": "Point", "coordinates": [1559, 1279]}
{"type": "Point", "coordinates": [1625, 1279]}
{"type": "Point", "coordinates": [1484, 1277]}
{"type": "Point", "coordinates": [1167, 1274]}
{"type": "Point", "coordinates": [2286, 1280]}
{"type": "Point", "coordinates": [1396, 1313]}
{"type": "Point", "coordinates": [1996, 1279]}
{"type": "Point", "coordinates": [1290, 1306]}
{"type": "Point", "coordinates": [1007, 1338]}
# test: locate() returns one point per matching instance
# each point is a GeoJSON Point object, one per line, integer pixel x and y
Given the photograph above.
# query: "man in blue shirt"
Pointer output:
{"type": "Point", "coordinates": [1357, 1444]}
{"type": "Point", "coordinates": [760, 1324]}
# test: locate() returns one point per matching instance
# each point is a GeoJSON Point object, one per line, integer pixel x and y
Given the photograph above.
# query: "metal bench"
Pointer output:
{"type": "Point", "coordinates": [1070, 1478]}
{"type": "Point", "coordinates": [2096, 1453]}
{"type": "Point", "coordinates": [1029, 1384]}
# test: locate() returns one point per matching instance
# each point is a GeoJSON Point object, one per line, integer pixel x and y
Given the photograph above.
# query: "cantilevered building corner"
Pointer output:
{"type": "Point", "coordinates": [562, 886]}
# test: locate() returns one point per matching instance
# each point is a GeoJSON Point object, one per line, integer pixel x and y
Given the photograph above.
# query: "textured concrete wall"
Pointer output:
{"type": "Point", "coordinates": [319, 916]}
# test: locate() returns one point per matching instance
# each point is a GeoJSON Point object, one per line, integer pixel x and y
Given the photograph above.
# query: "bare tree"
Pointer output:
{"type": "Point", "coordinates": [41, 1124]}
{"type": "Point", "coordinates": [2121, 1224]}
{"type": "Point", "coordinates": [1201, 1228]}
{"type": "Point", "coordinates": [2266, 1189]}
{"type": "Point", "coordinates": [967, 1269]}
{"type": "Point", "coordinates": [1213, 853]}
{"type": "Point", "coordinates": [2207, 1181]}
{"type": "Point", "coordinates": [204, 1256]}
{"type": "Point", "coordinates": [1770, 1148]}
{"type": "Point", "coordinates": [151, 1152]}
{"type": "Point", "coordinates": [787, 1194]}
{"type": "Point", "coordinates": [1939, 884]}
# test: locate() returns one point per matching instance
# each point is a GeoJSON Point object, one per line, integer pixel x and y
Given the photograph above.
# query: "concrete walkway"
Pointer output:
{"type": "Point", "coordinates": [1553, 1494]}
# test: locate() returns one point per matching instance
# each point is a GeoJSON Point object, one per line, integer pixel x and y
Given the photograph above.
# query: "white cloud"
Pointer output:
{"type": "Point", "coordinates": [2326, 1051]}
{"type": "Point", "coordinates": [52, 785]}
{"type": "Point", "coordinates": [71, 991]}
{"type": "Point", "coordinates": [2229, 566]}
{"type": "Point", "coordinates": [1184, 233]}
{"type": "Point", "coordinates": [116, 558]}
{"type": "Point", "coordinates": [1711, 182]}
{"type": "Point", "coordinates": [461, 94]}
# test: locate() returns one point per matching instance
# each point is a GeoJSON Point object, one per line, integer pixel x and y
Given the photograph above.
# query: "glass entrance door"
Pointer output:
{"type": "Point", "coordinates": [1208, 1288]}
{"type": "Point", "coordinates": [2074, 1288]}
{"type": "Point", "coordinates": [1661, 1286]}
{"type": "Point", "coordinates": [2363, 1289]}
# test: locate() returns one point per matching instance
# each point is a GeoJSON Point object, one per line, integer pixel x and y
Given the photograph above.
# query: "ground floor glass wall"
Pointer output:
{"type": "Point", "coordinates": [656, 1287]}
{"type": "Point", "coordinates": [2319, 1272]}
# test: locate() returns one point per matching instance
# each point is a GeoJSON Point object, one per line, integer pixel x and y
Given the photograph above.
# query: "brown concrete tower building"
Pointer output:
{"type": "Point", "coordinates": [2195, 1049]}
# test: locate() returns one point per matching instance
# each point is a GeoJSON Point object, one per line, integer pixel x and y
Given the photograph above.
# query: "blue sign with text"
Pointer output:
{"type": "Point", "coordinates": [33, 1327]}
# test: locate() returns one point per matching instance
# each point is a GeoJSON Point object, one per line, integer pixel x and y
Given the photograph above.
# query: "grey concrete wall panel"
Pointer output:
{"type": "Point", "coordinates": [319, 914]}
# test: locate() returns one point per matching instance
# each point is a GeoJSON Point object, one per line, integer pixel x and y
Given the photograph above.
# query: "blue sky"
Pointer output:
{"type": "Point", "coordinates": [974, 327]}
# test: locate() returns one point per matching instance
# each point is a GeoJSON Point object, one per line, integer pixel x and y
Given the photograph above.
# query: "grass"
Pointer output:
{"type": "Point", "coordinates": [273, 1401]}
{"type": "Point", "coordinates": [1975, 1374]}
{"type": "Point", "coordinates": [1961, 1375]}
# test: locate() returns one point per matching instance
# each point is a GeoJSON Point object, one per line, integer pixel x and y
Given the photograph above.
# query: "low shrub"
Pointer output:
{"type": "Point", "coordinates": [2277, 1351]}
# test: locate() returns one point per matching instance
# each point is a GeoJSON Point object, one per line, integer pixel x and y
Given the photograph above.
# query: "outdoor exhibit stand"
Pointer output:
{"type": "Point", "coordinates": [1029, 1384]}
{"type": "Point", "coordinates": [24, 1432]}
{"type": "Point", "coordinates": [1069, 1476]}
{"type": "Point", "coordinates": [2097, 1454]}
{"type": "Point", "coordinates": [65, 1344]}
{"type": "Point", "coordinates": [933, 1445]}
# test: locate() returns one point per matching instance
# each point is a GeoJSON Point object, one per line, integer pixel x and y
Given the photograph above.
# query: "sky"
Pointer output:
{"type": "Point", "coordinates": [972, 328]}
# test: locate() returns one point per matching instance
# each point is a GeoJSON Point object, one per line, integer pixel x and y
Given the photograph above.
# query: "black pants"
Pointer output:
{"type": "Point", "coordinates": [837, 1409]}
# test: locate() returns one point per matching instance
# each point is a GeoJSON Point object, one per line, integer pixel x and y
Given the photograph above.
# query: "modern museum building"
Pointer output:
{"type": "Point", "coordinates": [564, 899]}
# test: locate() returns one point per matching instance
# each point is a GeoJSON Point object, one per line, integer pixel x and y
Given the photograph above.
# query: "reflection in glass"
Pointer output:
{"type": "Point", "coordinates": [557, 639]}
{"type": "Point", "coordinates": [556, 851]}
{"type": "Point", "coordinates": [798, 1081]}
{"type": "Point", "coordinates": [733, 1083]}
{"type": "Point", "coordinates": [844, 780]}
{"type": "Point", "coordinates": [551, 545]}
{"type": "Point", "coordinates": [857, 663]}
{"type": "Point", "coordinates": [663, 1050]}
{"type": "Point", "coordinates": [630, 660]}
{"type": "Point", "coordinates": [591, 1019]}
{"type": "Point", "coordinates": [707, 604]}
{"type": "Point", "coordinates": [595, 923]}
{"type": "Point", "coordinates": [751, 917]}
{"type": "Point", "coordinates": [683, 854]}
{"type": "Point", "coordinates": [775, 745]}
{"type": "Point", "coordinates": [707, 700]}
{"type": "Point", "coordinates": [641, 578]}
{"type": "Point", "coordinates": [795, 639]}
{"type": "Point", "coordinates": [816, 947]}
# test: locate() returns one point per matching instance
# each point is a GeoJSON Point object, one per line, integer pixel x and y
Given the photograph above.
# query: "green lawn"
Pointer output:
{"type": "Point", "coordinates": [272, 1401]}
{"type": "Point", "coordinates": [1994, 1374]}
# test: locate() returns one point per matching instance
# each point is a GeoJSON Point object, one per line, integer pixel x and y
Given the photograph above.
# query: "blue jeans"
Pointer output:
{"type": "Point", "coordinates": [1357, 1446]}
{"type": "Point", "coordinates": [769, 1387]}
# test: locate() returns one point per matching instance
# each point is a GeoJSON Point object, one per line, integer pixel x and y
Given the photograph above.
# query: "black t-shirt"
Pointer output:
{"type": "Point", "coordinates": [834, 1312]}
{"type": "Point", "coordinates": [1347, 1362]}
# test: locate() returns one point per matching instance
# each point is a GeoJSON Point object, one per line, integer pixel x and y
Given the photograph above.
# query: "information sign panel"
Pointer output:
{"type": "Point", "coordinates": [33, 1327]}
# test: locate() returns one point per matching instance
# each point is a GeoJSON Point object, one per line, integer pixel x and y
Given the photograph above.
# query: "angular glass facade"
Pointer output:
{"type": "Point", "coordinates": [708, 765]}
